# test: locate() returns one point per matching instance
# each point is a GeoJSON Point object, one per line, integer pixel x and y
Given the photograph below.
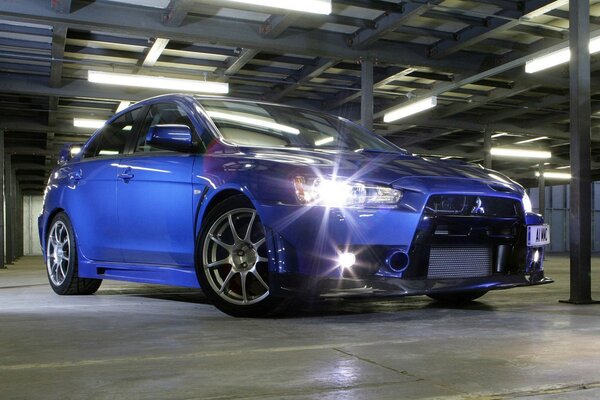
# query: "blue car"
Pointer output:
{"type": "Point", "coordinates": [260, 204]}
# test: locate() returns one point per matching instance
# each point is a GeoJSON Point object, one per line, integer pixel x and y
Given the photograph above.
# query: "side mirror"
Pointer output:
{"type": "Point", "coordinates": [69, 151]}
{"type": "Point", "coordinates": [171, 137]}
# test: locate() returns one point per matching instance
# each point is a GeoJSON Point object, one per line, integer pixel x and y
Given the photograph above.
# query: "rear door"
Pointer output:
{"type": "Point", "coordinates": [91, 201]}
{"type": "Point", "coordinates": [155, 196]}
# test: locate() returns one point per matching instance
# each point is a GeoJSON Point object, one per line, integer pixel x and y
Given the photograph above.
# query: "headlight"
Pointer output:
{"type": "Point", "coordinates": [338, 193]}
{"type": "Point", "coordinates": [527, 203]}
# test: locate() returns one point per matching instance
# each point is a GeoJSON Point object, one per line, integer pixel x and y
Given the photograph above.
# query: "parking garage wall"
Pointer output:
{"type": "Point", "coordinates": [32, 207]}
{"type": "Point", "coordinates": [557, 215]}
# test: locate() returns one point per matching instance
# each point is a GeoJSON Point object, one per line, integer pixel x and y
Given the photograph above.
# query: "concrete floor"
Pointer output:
{"type": "Point", "coordinates": [140, 341]}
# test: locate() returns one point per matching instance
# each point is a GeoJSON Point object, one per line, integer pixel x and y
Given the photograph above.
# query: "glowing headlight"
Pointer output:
{"type": "Point", "coordinates": [527, 203]}
{"type": "Point", "coordinates": [335, 193]}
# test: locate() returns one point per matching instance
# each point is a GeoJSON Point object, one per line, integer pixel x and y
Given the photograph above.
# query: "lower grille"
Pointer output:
{"type": "Point", "coordinates": [459, 262]}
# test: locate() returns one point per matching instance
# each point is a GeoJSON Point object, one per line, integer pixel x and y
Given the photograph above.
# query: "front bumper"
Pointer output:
{"type": "Point", "coordinates": [415, 287]}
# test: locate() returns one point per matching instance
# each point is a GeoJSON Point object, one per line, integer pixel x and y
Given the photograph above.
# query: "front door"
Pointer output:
{"type": "Point", "coordinates": [155, 197]}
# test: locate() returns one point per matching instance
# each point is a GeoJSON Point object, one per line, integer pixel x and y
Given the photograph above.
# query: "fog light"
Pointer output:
{"type": "Point", "coordinates": [346, 260]}
{"type": "Point", "coordinates": [536, 256]}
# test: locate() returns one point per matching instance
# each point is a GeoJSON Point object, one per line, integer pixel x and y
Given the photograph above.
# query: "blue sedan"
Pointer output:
{"type": "Point", "coordinates": [259, 204]}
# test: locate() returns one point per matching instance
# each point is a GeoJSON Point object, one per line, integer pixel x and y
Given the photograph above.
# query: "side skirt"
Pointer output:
{"type": "Point", "coordinates": [140, 273]}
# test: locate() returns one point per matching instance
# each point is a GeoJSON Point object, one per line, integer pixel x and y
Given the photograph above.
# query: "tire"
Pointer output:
{"type": "Point", "coordinates": [61, 260]}
{"type": "Point", "coordinates": [232, 267]}
{"type": "Point", "coordinates": [459, 297]}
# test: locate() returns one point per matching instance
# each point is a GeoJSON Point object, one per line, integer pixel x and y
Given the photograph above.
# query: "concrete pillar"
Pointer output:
{"type": "Point", "coordinates": [580, 214]}
{"type": "Point", "coordinates": [487, 149]}
{"type": "Point", "coordinates": [2, 264]}
{"type": "Point", "coordinates": [9, 212]}
{"type": "Point", "coordinates": [19, 224]}
{"type": "Point", "coordinates": [366, 102]}
{"type": "Point", "coordinates": [542, 189]}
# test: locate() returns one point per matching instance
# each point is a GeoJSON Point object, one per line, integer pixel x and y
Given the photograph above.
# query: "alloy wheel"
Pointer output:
{"type": "Point", "coordinates": [234, 257]}
{"type": "Point", "coordinates": [58, 252]}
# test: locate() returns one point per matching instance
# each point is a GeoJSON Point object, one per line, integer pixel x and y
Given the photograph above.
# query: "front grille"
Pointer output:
{"type": "Point", "coordinates": [482, 206]}
{"type": "Point", "coordinates": [459, 262]}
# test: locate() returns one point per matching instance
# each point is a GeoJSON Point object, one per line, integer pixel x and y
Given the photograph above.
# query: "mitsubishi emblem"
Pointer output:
{"type": "Point", "coordinates": [478, 209]}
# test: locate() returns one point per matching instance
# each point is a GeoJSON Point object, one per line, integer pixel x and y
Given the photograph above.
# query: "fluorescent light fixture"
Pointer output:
{"type": "Point", "coordinates": [520, 153]}
{"type": "Point", "coordinates": [446, 158]}
{"type": "Point", "coordinates": [253, 121]}
{"type": "Point", "coordinates": [543, 10]}
{"type": "Point", "coordinates": [410, 109]}
{"type": "Point", "coordinates": [309, 6]}
{"type": "Point", "coordinates": [158, 82]}
{"type": "Point", "coordinates": [532, 140]}
{"type": "Point", "coordinates": [155, 51]}
{"type": "Point", "coordinates": [75, 150]}
{"type": "Point", "coordinates": [88, 123]}
{"type": "Point", "coordinates": [555, 175]}
{"type": "Point", "coordinates": [557, 57]}
{"type": "Point", "coordinates": [499, 134]}
{"type": "Point", "coordinates": [123, 105]}
{"type": "Point", "coordinates": [548, 61]}
{"type": "Point", "coordinates": [564, 167]}
{"type": "Point", "coordinates": [323, 141]}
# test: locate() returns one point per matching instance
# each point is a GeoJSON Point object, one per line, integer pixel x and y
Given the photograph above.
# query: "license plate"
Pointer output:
{"type": "Point", "coordinates": [538, 235]}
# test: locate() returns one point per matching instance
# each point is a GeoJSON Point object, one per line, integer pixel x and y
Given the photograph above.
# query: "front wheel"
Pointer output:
{"type": "Point", "coordinates": [61, 260]}
{"type": "Point", "coordinates": [458, 298]}
{"type": "Point", "coordinates": [232, 264]}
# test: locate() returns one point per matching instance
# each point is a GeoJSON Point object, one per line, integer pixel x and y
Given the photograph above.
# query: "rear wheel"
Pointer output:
{"type": "Point", "coordinates": [61, 260]}
{"type": "Point", "coordinates": [232, 264]}
{"type": "Point", "coordinates": [458, 298]}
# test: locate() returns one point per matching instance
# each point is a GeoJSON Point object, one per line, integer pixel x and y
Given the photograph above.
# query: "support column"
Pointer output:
{"type": "Point", "coordinates": [2, 265]}
{"type": "Point", "coordinates": [366, 101]}
{"type": "Point", "coordinates": [19, 246]}
{"type": "Point", "coordinates": [9, 212]}
{"type": "Point", "coordinates": [487, 148]}
{"type": "Point", "coordinates": [580, 214]}
{"type": "Point", "coordinates": [541, 189]}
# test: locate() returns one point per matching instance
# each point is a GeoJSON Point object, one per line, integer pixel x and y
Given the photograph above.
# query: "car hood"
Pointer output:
{"type": "Point", "coordinates": [396, 169]}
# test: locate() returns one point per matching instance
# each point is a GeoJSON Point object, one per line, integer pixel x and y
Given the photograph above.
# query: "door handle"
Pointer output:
{"type": "Point", "coordinates": [126, 175]}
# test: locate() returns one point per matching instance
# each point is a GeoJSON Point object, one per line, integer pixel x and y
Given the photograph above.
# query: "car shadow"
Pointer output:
{"type": "Point", "coordinates": [308, 308]}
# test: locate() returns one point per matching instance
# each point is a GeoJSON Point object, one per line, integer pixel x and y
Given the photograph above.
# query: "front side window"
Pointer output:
{"type": "Point", "coordinates": [111, 141]}
{"type": "Point", "coordinates": [255, 124]}
{"type": "Point", "coordinates": [161, 114]}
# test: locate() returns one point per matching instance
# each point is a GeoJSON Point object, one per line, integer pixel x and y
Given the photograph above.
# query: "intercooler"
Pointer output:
{"type": "Point", "coordinates": [464, 261]}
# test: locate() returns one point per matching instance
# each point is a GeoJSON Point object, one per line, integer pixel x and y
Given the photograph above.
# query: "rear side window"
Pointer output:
{"type": "Point", "coordinates": [161, 114]}
{"type": "Point", "coordinates": [111, 141]}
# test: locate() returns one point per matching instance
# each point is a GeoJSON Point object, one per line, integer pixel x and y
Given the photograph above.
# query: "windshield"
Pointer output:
{"type": "Point", "coordinates": [252, 124]}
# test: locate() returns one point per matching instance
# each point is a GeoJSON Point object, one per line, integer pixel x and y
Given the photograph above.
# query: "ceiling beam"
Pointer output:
{"type": "Point", "coordinates": [59, 38]}
{"type": "Point", "coordinates": [176, 12]}
{"type": "Point", "coordinates": [158, 46]}
{"type": "Point", "coordinates": [305, 74]}
{"type": "Point", "coordinates": [235, 64]}
{"type": "Point", "coordinates": [495, 24]}
{"type": "Point", "coordinates": [381, 78]}
{"type": "Point", "coordinates": [513, 60]}
{"type": "Point", "coordinates": [389, 22]}
{"type": "Point", "coordinates": [108, 17]}
{"type": "Point", "coordinates": [61, 6]}
{"type": "Point", "coordinates": [275, 25]}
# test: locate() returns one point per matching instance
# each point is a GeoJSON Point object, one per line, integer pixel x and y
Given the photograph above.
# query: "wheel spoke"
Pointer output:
{"type": "Point", "coordinates": [236, 237]}
{"type": "Point", "coordinates": [259, 278]}
{"type": "Point", "coordinates": [226, 246]}
{"type": "Point", "coordinates": [259, 243]}
{"type": "Point", "coordinates": [224, 261]}
{"type": "Point", "coordinates": [249, 229]}
{"type": "Point", "coordinates": [226, 281]}
{"type": "Point", "coordinates": [243, 279]}
{"type": "Point", "coordinates": [262, 259]}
